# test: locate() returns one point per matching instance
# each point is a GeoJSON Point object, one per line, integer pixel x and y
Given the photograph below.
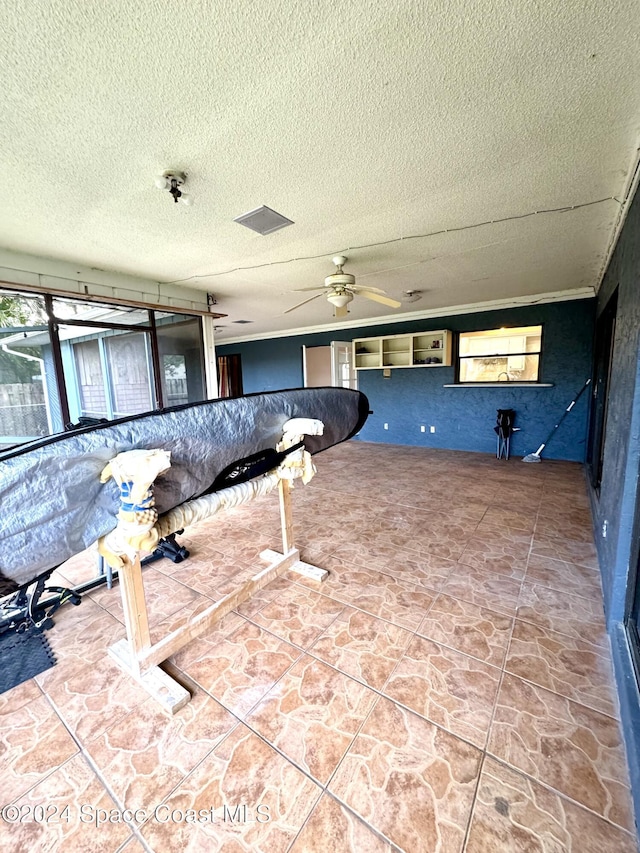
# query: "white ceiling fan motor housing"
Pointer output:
{"type": "Point", "coordinates": [340, 279]}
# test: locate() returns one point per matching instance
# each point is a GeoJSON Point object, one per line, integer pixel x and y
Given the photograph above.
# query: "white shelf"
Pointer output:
{"type": "Point", "coordinates": [421, 349]}
{"type": "Point", "coordinates": [500, 385]}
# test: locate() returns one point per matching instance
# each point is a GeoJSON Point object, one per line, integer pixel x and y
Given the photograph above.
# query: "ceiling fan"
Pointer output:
{"type": "Point", "coordinates": [340, 288]}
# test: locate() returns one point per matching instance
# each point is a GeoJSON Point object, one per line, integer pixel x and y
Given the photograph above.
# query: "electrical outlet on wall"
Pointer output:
{"type": "Point", "coordinates": [423, 428]}
{"type": "Point", "coordinates": [432, 429]}
{"type": "Point", "coordinates": [386, 426]}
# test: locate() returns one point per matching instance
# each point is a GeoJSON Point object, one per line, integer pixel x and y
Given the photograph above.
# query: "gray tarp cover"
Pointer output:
{"type": "Point", "coordinates": [52, 504]}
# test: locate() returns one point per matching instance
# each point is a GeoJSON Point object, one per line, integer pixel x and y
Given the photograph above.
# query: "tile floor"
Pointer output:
{"type": "Point", "coordinates": [448, 688]}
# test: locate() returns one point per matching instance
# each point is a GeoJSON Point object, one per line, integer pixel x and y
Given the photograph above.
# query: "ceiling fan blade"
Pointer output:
{"type": "Point", "coordinates": [384, 300]}
{"type": "Point", "coordinates": [304, 289]}
{"type": "Point", "coordinates": [340, 312]}
{"type": "Point", "coordinates": [300, 304]}
{"type": "Point", "coordinates": [361, 287]}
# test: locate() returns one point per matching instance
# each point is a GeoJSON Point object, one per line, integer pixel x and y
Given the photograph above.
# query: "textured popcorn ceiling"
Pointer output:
{"type": "Point", "coordinates": [363, 122]}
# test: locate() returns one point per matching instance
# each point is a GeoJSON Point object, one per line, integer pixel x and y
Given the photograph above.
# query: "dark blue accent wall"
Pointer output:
{"type": "Point", "coordinates": [619, 489]}
{"type": "Point", "coordinates": [463, 417]}
{"type": "Point", "coordinates": [618, 502]}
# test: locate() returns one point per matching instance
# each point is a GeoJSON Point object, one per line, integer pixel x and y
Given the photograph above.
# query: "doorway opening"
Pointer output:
{"type": "Point", "coordinates": [329, 366]}
{"type": "Point", "coordinates": [603, 359]}
{"type": "Point", "coordinates": [230, 375]}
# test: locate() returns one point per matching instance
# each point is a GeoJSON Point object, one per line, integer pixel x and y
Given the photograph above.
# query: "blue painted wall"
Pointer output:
{"type": "Point", "coordinates": [463, 417]}
{"type": "Point", "coordinates": [619, 500]}
{"type": "Point", "coordinates": [619, 489]}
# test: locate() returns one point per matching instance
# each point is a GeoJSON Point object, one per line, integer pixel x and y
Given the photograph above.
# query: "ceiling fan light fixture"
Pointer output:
{"type": "Point", "coordinates": [340, 299]}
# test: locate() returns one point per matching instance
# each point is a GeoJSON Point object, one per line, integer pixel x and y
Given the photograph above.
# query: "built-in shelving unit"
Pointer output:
{"type": "Point", "coordinates": [423, 349]}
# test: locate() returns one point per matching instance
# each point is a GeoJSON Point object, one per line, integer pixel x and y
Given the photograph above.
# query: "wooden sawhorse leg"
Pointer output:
{"type": "Point", "coordinates": [140, 658]}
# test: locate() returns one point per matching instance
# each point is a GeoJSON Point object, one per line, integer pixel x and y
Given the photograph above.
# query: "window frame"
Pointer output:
{"type": "Point", "coordinates": [148, 327]}
{"type": "Point", "coordinates": [479, 383]}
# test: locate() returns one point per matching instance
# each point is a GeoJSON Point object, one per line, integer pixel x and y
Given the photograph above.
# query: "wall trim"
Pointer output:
{"type": "Point", "coordinates": [471, 308]}
{"type": "Point", "coordinates": [629, 698]}
{"type": "Point", "coordinates": [477, 385]}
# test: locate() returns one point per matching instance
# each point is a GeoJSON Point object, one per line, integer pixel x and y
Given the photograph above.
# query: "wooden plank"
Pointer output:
{"type": "Point", "coordinates": [300, 567]}
{"type": "Point", "coordinates": [174, 641]}
{"type": "Point", "coordinates": [308, 571]}
{"type": "Point", "coordinates": [171, 695]}
{"type": "Point", "coordinates": [134, 605]}
{"type": "Point", "coordinates": [286, 518]}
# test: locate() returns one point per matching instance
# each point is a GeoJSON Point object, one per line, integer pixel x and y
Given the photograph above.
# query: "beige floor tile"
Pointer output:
{"type": "Point", "coordinates": [94, 698]}
{"type": "Point", "coordinates": [564, 745]}
{"type": "Point", "coordinates": [409, 780]}
{"type": "Point", "coordinates": [379, 594]}
{"type": "Point", "coordinates": [565, 577]}
{"type": "Point", "coordinates": [575, 525]}
{"type": "Point", "coordinates": [453, 690]}
{"type": "Point", "coordinates": [21, 694]}
{"type": "Point", "coordinates": [496, 555]}
{"type": "Point", "coordinates": [298, 615]}
{"type": "Point", "coordinates": [80, 638]}
{"type": "Point", "coordinates": [333, 827]}
{"type": "Point", "coordinates": [484, 588]}
{"type": "Point", "coordinates": [146, 754]}
{"type": "Point", "coordinates": [79, 569]}
{"type": "Point", "coordinates": [362, 646]}
{"type": "Point", "coordinates": [248, 797]}
{"type": "Point", "coordinates": [503, 533]}
{"type": "Point", "coordinates": [133, 846]}
{"type": "Point", "coordinates": [558, 548]}
{"type": "Point", "coordinates": [572, 667]}
{"type": "Point", "coordinates": [241, 668]}
{"type": "Point", "coordinates": [68, 811]}
{"type": "Point", "coordinates": [467, 628]}
{"type": "Point", "coordinates": [574, 615]}
{"type": "Point", "coordinates": [209, 642]}
{"type": "Point", "coordinates": [514, 813]}
{"type": "Point", "coordinates": [311, 715]}
{"type": "Point", "coordinates": [423, 569]}
{"type": "Point", "coordinates": [181, 617]}
{"type": "Point", "coordinates": [33, 743]}
{"type": "Point", "coordinates": [264, 596]}
{"type": "Point", "coordinates": [206, 576]}
{"type": "Point", "coordinates": [575, 510]}
{"type": "Point", "coordinates": [239, 550]}
{"type": "Point", "coordinates": [513, 519]}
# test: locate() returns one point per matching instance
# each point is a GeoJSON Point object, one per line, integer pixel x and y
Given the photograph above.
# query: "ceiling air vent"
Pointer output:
{"type": "Point", "coordinates": [263, 220]}
{"type": "Point", "coordinates": [242, 322]}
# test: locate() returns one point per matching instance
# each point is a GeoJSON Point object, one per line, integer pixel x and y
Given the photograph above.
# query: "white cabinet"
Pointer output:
{"type": "Point", "coordinates": [423, 349]}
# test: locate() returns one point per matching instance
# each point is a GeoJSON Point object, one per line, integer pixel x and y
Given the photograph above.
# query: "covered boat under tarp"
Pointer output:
{"type": "Point", "coordinates": [53, 505]}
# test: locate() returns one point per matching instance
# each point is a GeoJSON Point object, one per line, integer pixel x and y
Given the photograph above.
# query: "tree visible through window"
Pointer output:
{"type": "Point", "coordinates": [500, 355]}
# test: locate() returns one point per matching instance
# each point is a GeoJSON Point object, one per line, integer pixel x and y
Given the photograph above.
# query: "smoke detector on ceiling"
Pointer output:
{"type": "Point", "coordinates": [411, 295]}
